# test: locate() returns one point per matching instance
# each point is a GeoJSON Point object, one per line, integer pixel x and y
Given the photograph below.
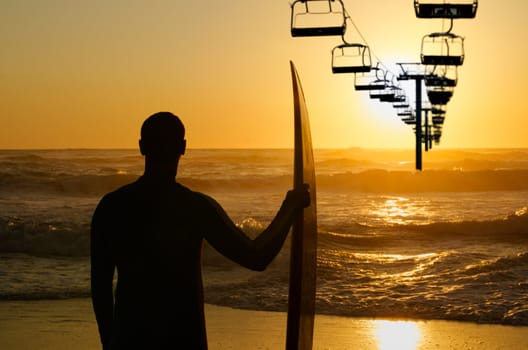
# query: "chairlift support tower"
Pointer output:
{"type": "Point", "coordinates": [415, 71]}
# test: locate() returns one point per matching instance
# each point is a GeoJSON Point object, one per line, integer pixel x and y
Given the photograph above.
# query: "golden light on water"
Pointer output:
{"type": "Point", "coordinates": [397, 210]}
{"type": "Point", "coordinates": [394, 210]}
{"type": "Point", "coordinates": [397, 335]}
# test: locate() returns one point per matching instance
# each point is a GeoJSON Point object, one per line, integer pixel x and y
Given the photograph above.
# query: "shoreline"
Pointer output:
{"type": "Point", "coordinates": [70, 324]}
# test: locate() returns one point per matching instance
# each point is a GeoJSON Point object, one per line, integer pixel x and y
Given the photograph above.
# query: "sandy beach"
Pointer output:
{"type": "Point", "coordinates": [69, 324]}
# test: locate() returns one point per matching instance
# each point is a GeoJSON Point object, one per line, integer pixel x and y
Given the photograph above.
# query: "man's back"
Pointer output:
{"type": "Point", "coordinates": [152, 234]}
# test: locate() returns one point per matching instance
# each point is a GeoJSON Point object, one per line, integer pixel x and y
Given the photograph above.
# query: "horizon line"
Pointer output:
{"type": "Point", "coordinates": [268, 148]}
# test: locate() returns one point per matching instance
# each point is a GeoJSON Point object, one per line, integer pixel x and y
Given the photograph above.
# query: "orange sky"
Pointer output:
{"type": "Point", "coordinates": [86, 73]}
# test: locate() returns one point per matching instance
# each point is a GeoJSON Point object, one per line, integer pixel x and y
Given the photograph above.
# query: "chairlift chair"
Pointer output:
{"type": "Point", "coordinates": [376, 94]}
{"type": "Point", "coordinates": [435, 80]}
{"type": "Point", "coordinates": [392, 94]}
{"type": "Point", "coordinates": [364, 83]}
{"type": "Point", "coordinates": [441, 9]}
{"type": "Point", "coordinates": [444, 49]}
{"type": "Point", "coordinates": [441, 76]}
{"type": "Point", "coordinates": [371, 80]}
{"type": "Point", "coordinates": [351, 58]}
{"type": "Point", "coordinates": [400, 96]}
{"type": "Point", "coordinates": [317, 18]}
{"type": "Point", "coordinates": [401, 105]}
{"type": "Point", "coordinates": [381, 86]}
{"type": "Point", "coordinates": [437, 134]}
{"type": "Point", "coordinates": [373, 85]}
{"type": "Point", "coordinates": [392, 90]}
{"type": "Point", "coordinates": [438, 120]}
{"type": "Point", "coordinates": [438, 110]}
{"type": "Point", "coordinates": [400, 101]}
{"type": "Point", "coordinates": [438, 115]}
{"type": "Point", "coordinates": [409, 121]}
{"type": "Point", "coordinates": [387, 94]}
{"type": "Point", "coordinates": [439, 95]}
{"type": "Point", "coordinates": [405, 113]}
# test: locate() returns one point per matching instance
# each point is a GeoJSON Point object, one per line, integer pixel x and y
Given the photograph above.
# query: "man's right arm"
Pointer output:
{"type": "Point", "coordinates": [255, 254]}
{"type": "Point", "coordinates": [102, 274]}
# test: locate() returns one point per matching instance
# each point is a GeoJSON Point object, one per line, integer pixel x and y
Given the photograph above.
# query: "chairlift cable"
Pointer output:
{"type": "Point", "coordinates": [366, 42]}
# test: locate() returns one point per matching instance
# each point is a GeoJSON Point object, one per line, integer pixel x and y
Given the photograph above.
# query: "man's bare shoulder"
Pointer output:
{"type": "Point", "coordinates": [199, 197]}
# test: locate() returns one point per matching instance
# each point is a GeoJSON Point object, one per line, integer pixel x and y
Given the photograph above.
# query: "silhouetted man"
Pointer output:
{"type": "Point", "coordinates": [152, 232]}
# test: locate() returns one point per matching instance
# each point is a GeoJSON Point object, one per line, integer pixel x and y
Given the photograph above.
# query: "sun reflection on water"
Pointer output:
{"type": "Point", "coordinates": [397, 335]}
{"type": "Point", "coordinates": [393, 210]}
{"type": "Point", "coordinates": [400, 210]}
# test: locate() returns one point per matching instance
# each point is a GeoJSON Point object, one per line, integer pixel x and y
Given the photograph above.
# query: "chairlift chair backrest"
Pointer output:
{"type": "Point", "coordinates": [441, 9]}
{"type": "Point", "coordinates": [317, 18]}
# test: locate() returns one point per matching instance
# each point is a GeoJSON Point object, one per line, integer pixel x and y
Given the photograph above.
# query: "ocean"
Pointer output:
{"type": "Point", "coordinates": [448, 243]}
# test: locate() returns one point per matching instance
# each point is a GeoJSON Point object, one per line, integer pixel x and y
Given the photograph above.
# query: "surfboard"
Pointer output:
{"type": "Point", "coordinates": [303, 260]}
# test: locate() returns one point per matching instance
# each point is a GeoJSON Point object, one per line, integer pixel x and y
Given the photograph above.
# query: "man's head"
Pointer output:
{"type": "Point", "coordinates": [162, 138]}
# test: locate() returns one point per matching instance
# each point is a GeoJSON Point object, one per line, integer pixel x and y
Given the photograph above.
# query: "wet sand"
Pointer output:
{"type": "Point", "coordinates": [70, 324]}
